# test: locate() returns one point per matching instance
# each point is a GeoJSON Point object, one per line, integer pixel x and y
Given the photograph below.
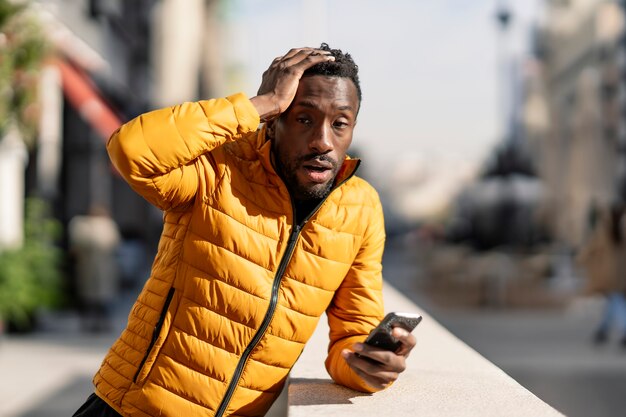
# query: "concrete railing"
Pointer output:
{"type": "Point", "coordinates": [444, 377]}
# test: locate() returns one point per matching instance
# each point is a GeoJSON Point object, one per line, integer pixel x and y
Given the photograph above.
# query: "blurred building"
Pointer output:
{"type": "Point", "coordinates": [113, 61]}
{"type": "Point", "coordinates": [500, 208]}
{"type": "Point", "coordinates": [574, 111]}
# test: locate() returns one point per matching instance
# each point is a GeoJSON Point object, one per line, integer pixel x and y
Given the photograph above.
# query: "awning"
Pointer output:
{"type": "Point", "coordinates": [85, 98]}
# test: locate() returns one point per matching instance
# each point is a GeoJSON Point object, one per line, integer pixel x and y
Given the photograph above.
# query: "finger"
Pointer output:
{"type": "Point", "coordinates": [364, 365]}
{"type": "Point", "coordinates": [305, 58]}
{"type": "Point", "coordinates": [378, 360]}
{"type": "Point", "coordinates": [375, 375]}
{"type": "Point", "coordinates": [387, 360]}
{"type": "Point", "coordinates": [315, 51]}
{"type": "Point", "coordinates": [290, 54]}
{"type": "Point", "coordinates": [321, 52]}
{"type": "Point", "coordinates": [407, 340]}
{"type": "Point", "coordinates": [310, 61]}
{"type": "Point", "coordinates": [375, 382]}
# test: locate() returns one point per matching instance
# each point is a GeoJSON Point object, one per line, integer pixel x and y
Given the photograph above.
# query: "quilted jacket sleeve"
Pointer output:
{"type": "Point", "coordinates": [155, 152]}
{"type": "Point", "coordinates": [357, 306]}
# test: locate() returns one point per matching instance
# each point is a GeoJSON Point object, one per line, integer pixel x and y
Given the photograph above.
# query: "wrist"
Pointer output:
{"type": "Point", "coordinates": [267, 108]}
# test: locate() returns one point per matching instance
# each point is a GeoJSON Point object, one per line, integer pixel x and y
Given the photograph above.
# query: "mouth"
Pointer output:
{"type": "Point", "coordinates": [318, 171]}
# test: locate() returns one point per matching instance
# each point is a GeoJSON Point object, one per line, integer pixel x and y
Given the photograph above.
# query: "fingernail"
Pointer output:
{"type": "Point", "coordinates": [345, 353]}
{"type": "Point", "coordinates": [358, 347]}
{"type": "Point", "coordinates": [400, 332]}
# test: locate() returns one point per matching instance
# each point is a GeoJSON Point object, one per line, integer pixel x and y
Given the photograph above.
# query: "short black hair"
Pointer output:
{"type": "Point", "coordinates": [343, 66]}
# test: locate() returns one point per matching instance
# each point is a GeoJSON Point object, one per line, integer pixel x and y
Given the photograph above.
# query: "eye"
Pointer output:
{"type": "Point", "coordinates": [340, 124]}
{"type": "Point", "coordinates": [303, 120]}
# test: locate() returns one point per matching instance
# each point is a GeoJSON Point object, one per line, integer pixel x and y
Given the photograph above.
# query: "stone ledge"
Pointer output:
{"type": "Point", "coordinates": [444, 377]}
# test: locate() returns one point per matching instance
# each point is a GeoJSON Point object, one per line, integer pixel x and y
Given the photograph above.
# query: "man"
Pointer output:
{"type": "Point", "coordinates": [264, 230]}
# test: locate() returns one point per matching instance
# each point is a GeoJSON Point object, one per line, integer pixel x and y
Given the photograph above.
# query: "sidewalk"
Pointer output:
{"type": "Point", "coordinates": [48, 373]}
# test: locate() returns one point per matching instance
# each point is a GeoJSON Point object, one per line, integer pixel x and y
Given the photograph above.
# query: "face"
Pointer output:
{"type": "Point", "coordinates": [311, 138]}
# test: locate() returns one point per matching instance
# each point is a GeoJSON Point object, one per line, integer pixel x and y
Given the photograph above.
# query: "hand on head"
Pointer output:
{"type": "Point", "coordinates": [280, 81]}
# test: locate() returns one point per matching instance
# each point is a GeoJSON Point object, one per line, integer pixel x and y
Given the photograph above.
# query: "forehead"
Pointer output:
{"type": "Point", "coordinates": [338, 91]}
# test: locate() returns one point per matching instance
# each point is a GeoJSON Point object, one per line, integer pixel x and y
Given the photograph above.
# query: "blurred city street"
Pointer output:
{"type": "Point", "coordinates": [48, 374]}
{"type": "Point", "coordinates": [495, 137]}
{"type": "Point", "coordinates": [549, 351]}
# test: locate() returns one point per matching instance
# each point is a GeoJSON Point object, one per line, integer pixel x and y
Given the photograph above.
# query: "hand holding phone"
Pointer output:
{"type": "Point", "coordinates": [381, 336]}
{"type": "Point", "coordinates": [382, 358]}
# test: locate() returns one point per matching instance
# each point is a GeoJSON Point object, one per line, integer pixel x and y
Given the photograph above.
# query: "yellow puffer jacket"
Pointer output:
{"type": "Point", "coordinates": [236, 289]}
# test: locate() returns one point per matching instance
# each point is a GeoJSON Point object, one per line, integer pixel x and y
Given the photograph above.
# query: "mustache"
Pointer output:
{"type": "Point", "coordinates": [316, 157]}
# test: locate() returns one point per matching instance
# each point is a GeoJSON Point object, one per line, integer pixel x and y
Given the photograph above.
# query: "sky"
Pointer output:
{"type": "Point", "coordinates": [429, 71]}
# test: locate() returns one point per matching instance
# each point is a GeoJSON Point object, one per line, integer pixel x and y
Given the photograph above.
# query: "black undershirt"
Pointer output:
{"type": "Point", "coordinates": [304, 208]}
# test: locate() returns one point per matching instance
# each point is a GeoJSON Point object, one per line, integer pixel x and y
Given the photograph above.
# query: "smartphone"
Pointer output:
{"type": "Point", "coordinates": [381, 337]}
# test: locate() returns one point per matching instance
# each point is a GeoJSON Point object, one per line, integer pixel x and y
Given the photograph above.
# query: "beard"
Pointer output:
{"type": "Point", "coordinates": [288, 170]}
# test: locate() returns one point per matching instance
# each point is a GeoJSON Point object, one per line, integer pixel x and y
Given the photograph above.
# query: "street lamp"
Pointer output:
{"type": "Point", "coordinates": [504, 17]}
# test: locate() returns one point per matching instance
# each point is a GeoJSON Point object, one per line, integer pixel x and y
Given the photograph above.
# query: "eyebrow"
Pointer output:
{"type": "Point", "coordinates": [313, 105]}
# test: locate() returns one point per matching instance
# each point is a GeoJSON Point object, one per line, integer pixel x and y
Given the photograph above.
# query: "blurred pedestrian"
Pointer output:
{"type": "Point", "coordinates": [604, 259]}
{"type": "Point", "coordinates": [94, 240]}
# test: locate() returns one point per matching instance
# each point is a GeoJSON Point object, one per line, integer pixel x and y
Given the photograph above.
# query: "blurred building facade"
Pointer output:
{"type": "Point", "coordinates": [574, 112]}
{"type": "Point", "coordinates": [114, 60]}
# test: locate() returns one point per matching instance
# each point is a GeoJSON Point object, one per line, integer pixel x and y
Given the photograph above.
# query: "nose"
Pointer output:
{"type": "Point", "coordinates": [321, 141]}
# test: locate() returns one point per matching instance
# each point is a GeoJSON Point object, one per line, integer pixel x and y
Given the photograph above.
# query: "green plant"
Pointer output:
{"type": "Point", "coordinates": [22, 51]}
{"type": "Point", "coordinates": [30, 277]}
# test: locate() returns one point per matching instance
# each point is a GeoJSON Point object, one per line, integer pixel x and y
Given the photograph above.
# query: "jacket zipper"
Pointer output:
{"type": "Point", "coordinates": [156, 331]}
{"type": "Point", "coordinates": [291, 245]}
{"type": "Point", "coordinates": [269, 314]}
